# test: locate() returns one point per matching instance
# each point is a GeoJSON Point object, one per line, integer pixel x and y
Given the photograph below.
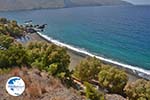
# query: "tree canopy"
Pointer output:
{"type": "Point", "coordinates": [6, 41]}
{"type": "Point", "coordinates": [11, 27]}
{"type": "Point", "coordinates": [113, 79]}
{"type": "Point", "coordinates": [15, 55]}
{"type": "Point", "coordinates": [138, 90]}
{"type": "Point", "coordinates": [92, 93]}
{"type": "Point", "coordinates": [49, 57]}
{"type": "Point", "coordinates": [87, 69]}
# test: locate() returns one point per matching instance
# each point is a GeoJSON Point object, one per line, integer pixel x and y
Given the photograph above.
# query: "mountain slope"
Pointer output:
{"type": "Point", "coordinates": [30, 4]}
{"type": "Point", "coordinates": [37, 4]}
{"type": "Point", "coordinates": [95, 2]}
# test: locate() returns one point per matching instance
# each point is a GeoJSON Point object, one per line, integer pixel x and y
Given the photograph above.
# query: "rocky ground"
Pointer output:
{"type": "Point", "coordinates": [114, 97]}
{"type": "Point", "coordinates": [39, 86]}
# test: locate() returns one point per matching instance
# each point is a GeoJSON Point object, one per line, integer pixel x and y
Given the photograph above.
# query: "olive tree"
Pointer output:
{"type": "Point", "coordinates": [49, 57]}
{"type": "Point", "coordinates": [15, 55]}
{"type": "Point", "coordinates": [5, 41]}
{"type": "Point", "coordinates": [87, 69]}
{"type": "Point", "coordinates": [112, 79]}
{"type": "Point", "coordinates": [92, 93]}
{"type": "Point", "coordinates": [138, 90]}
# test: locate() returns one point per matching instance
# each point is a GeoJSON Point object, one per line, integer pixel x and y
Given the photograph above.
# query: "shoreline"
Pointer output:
{"type": "Point", "coordinates": [76, 57]}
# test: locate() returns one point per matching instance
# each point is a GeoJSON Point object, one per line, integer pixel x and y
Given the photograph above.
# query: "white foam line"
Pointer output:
{"type": "Point", "coordinates": [134, 68]}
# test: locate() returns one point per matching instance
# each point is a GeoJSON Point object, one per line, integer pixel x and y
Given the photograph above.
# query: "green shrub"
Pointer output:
{"type": "Point", "coordinates": [4, 71]}
{"type": "Point", "coordinates": [49, 57]}
{"type": "Point", "coordinates": [6, 41]}
{"type": "Point", "coordinates": [112, 79]}
{"type": "Point", "coordinates": [3, 20]}
{"type": "Point", "coordinates": [138, 90]}
{"type": "Point", "coordinates": [92, 93]}
{"type": "Point", "coordinates": [11, 28]}
{"type": "Point", "coordinates": [88, 69]}
{"type": "Point", "coordinates": [15, 55]}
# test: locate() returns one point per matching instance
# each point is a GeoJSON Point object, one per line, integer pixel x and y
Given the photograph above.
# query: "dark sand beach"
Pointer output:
{"type": "Point", "coordinates": [76, 57]}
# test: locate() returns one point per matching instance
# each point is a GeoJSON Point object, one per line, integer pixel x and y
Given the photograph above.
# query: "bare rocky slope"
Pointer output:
{"type": "Point", "coordinates": [6, 5]}
{"type": "Point", "coordinates": [39, 86]}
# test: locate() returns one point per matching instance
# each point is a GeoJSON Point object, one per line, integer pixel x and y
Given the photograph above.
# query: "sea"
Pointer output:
{"type": "Point", "coordinates": [115, 34]}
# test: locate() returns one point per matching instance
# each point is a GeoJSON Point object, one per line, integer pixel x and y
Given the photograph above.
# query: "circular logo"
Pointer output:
{"type": "Point", "coordinates": [15, 86]}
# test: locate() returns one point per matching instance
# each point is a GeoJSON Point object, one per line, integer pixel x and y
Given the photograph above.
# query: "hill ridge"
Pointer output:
{"type": "Point", "coordinates": [6, 5]}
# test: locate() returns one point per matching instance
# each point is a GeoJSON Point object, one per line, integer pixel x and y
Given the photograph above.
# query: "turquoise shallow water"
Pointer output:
{"type": "Point", "coordinates": [118, 33]}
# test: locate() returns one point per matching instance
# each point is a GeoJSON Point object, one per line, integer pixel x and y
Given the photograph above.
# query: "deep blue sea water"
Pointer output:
{"type": "Point", "coordinates": [120, 33]}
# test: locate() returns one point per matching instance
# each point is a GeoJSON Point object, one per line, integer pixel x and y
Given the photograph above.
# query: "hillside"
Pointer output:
{"type": "Point", "coordinates": [44, 67]}
{"type": "Point", "coordinates": [39, 86]}
{"type": "Point", "coordinates": [72, 3]}
{"type": "Point", "coordinates": [6, 5]}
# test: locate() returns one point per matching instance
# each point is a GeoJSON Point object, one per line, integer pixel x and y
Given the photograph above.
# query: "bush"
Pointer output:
{"type": "Point", "coordinates": [3, 20]}
{"type": "Point", "coordinates": [49, 57]}
{"type": "Point", "coordinates": [88, 69]}
{"type": "Point", "coordinates": [4, 71]}
{"type": "Point", "coordinates": [44, 56]}
{"type": "Point", "coordinates": [138, 90]}
{"type": "Point", "coordinates": [6, 41]}
{"type": "Point", "coordinates": [11, 28]}
{"type": "Point", "coordinates": [112, 79]}
{"type": "Point", "coordinates": [15, 55]}
{"type": "Point", "coordinates": [92, 93]}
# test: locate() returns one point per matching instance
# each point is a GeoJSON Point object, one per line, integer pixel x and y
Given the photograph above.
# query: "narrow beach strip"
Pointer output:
{"type": "Point", "coordinates": [138, 71]}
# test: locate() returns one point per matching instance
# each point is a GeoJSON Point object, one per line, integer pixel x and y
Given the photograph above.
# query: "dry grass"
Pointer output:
{"type": "Point", "coordinates": [24, 69]}
{"type": "Point", "coordinates": [58, 98]}
{"type": "Point", "coordinates": [26, 79]}
{"type": "Point", "coordinates": [34, 90]}
{"type": "Point", "coordinates": [56, 84]}
{"type": "Point", "coordinates": [15, 71]}
{"type": "Point", "coordinates": [39, 86]}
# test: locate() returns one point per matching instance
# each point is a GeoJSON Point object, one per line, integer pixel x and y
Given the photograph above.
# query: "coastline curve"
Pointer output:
{"type": "Point", "coordinates": [139, 71]}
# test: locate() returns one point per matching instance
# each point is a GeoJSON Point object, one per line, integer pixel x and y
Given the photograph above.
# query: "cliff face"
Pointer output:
{"type": "Point", "coordinates": [37, 4]}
